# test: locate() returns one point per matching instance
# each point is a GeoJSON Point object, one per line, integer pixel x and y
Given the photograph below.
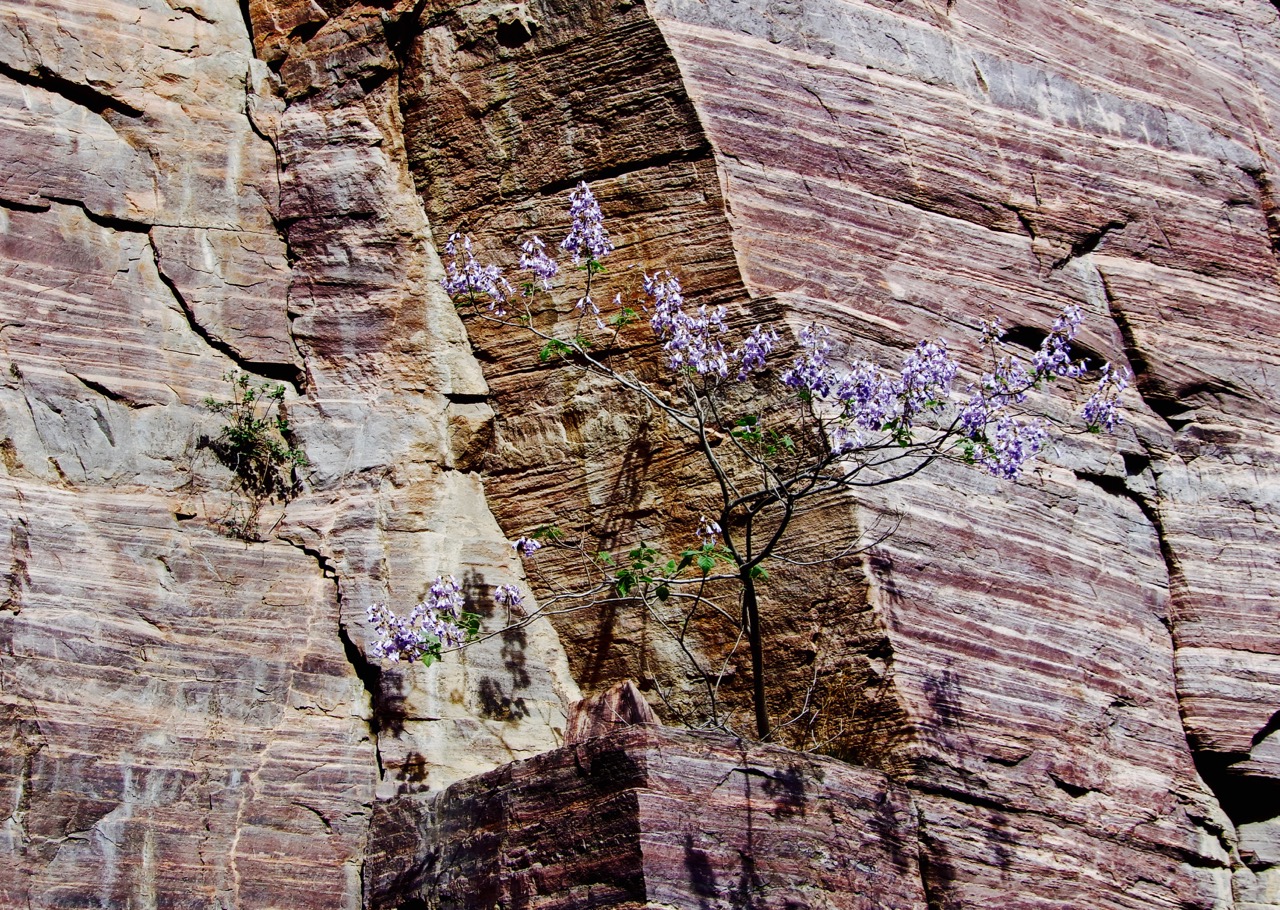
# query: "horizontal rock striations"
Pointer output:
{"type": "Point", "coordinates": [648, 817]}
{"type": "Point", "coordinates": [188, 718]}
{"type": "Point", "coordinates": [1073, 686]}
{"type": "Point", "coordinates": [1068, 687]}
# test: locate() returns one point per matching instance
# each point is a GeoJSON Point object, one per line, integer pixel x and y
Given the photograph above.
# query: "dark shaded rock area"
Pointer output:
{"type": "Point", "coordinates": [652, 816]}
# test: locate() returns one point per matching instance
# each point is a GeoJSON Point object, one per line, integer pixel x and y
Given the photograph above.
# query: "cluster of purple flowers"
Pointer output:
{"type": "Point", "coordinates": [1101, 411]}
{"type": "Point", "coordinates": [688, 340]}
{"type": "Point", "coordinates": [507, 596]}
{"type": "Point", "coordinates": [868, 400]}
{"type": "Point", "coordinates": [1010, 444]}
{"type": "Point", "coordinates": [811, 371]}
{"type": "Point", "coordinates": [872, 401]}
{"type": "Point", "coordinates": [472, 279]}
{"type": "Point", "coordinates": [432, 624]}
{"type": "Point", "coordinates": [925, 383]}
{"type": "Point", "coordinates": [533, 256]}
{"type": "Point", "coordinates": [526, 546]}
{"type": "Point", "coordinates": [587, 238]}
{"type": "Point", "coordinates": [1054, 356]}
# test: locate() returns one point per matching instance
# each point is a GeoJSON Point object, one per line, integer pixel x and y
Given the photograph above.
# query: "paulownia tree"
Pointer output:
{"type": "Point", "coordinates": [771, 433]}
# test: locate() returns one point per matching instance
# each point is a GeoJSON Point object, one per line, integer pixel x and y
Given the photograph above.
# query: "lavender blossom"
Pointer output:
{"type": "Point", "coordinates": [1007, 385]}
{"type": "Point", "coordinates": [976, 414]}
{"type": "Point", "coordinates": [472, 279]}
{"type": "Point", "coordinates": [688, 340]}
{"type": "Point", "coordinates": [587, 238]}
{"type": "Point", "coordinates": [1101, 411]}
{"type": "Point", "coordinates": [926, 379]}
{"type": "Point", "coordinates": [1054, 356]}
{"type": "Point", "coordinates": [869, 400]}
{"type": "Point", "coordinates": [844, 438]}
{"type": "Point", "coordinates": [508, 596]}
{"type": "Point", "coordinates": [708, 532]}
{"type": "Point", "coordinates": [526, 546]}
{"type": "Point", "coordinates": [754, 351]}
{"type": "Point", "coordinates": [810, 371]}
{"type": "Point", "coordinates": [1011, 445]}
{"type": "Point", "coordinates": [432, 624]}
{"type": "Point", "coordinates": [397, 637]}
{"type": "Point", "coordinates": [534, 258]}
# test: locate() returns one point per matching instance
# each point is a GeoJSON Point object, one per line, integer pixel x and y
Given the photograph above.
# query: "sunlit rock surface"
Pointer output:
{"type": "Point", "coordinates": [1073, 679]}
{"type": "Point", "coordinates": [653, 817]}
{"type": "Point", "coordinates": [190, 719]}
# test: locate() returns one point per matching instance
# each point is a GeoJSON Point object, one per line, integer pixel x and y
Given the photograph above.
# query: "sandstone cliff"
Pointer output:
{"type": "Point", "coordinates": [1073, 685]}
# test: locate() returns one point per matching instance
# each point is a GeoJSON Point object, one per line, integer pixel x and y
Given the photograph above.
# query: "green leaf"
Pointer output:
{"type": "Point", "coordinates": [759, 572]}
{"type": "Point", "coordinates": [706, 564]}
{"type": "Point", "coordinates": [662, 593]}
{"type": "Point", "coordinates": [623, 583]}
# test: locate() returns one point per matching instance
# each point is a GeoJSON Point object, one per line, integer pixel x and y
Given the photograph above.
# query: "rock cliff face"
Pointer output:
{"type": "Point", "coordinates": [190, 720]}
{"type": "Point", "coordinates": [1073, 683]}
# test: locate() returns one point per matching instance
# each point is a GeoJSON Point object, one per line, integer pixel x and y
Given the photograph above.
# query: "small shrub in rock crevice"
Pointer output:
{"type": "Point", "coordinates": [254, 445]}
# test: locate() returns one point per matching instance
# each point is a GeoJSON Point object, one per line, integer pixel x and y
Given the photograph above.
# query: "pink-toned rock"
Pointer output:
{"type": "Point", "coordinates": [1072, 676]}
{"type": "Point", "coordinates": [1062, 653]}
{"type": "Point", "coordinates": [620, 707]}
{"type": "Point", "coordinates": [653, 817]}
{"type": "Point", "coordinates": [190, 719]}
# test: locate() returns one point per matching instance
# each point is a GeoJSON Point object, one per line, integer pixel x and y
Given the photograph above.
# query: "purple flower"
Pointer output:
{"type": "Point", "coordinates": [975, 415]}
{"type": "Point", "coordinates": [508, 596]}
{"type": "Point", "coordinates": [472, 279]}
{"type": "Point", "coordinates": [754, 351]}
{"type": "Point", "coordinates": [992, 330]}
{"type": "Point", "coordinates": [445, 597]}
{"type": "Point", "coordinates": [587, 238]}
{"type": "Point", "coordinates": [432, 622]}
{"type": "Point", "coordinates": [534, 258]}
{"type": "Point", "coordinates": [844, 439]}
{"type": "Point", "coordinates": [687, 339]}
{"type": "Point", "coordinates": [398, 639]}
{"type": "Point", "coordinates": [526, 546]}
{"type": "Point", "coordinates": [810, 371]}
{"type": "Point", "coordinates": [708, 531]}
{"type": "Point", "coordinates": [1054, 356]}
{"type": "Point", "coordinates": [1101, 411]}
{"type": "Point", "coordinates": [926, 379]}
{"type": "Point", "coordinates": [1010, 445]}
{"type": "Point", "coordinates": [869, 399]}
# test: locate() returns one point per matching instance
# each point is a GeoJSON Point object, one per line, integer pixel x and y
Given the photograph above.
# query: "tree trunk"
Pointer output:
{"type": "Point", "coordinates": [751, 616]}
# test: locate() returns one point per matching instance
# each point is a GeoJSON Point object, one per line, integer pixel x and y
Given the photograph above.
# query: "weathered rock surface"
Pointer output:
{"type": "Point", "coordinates": [188, 719]}
{"type": "Point", "coordinates": [1074, 680]}
{"type": "Point", "coordinates": [652, 817]}
{"type": "Point", "coordinates": [1057, 668]}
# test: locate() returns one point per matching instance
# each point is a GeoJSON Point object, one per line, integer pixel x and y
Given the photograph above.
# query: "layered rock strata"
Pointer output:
{"type": "Point", "coordinates": [648, 817]}
{"type": "Point", "coordinates": [190, 719]}
{"type": "Point", "coordinates": [1073, 678]}
{"type": "Point", "coordinates": [1072, 685]}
